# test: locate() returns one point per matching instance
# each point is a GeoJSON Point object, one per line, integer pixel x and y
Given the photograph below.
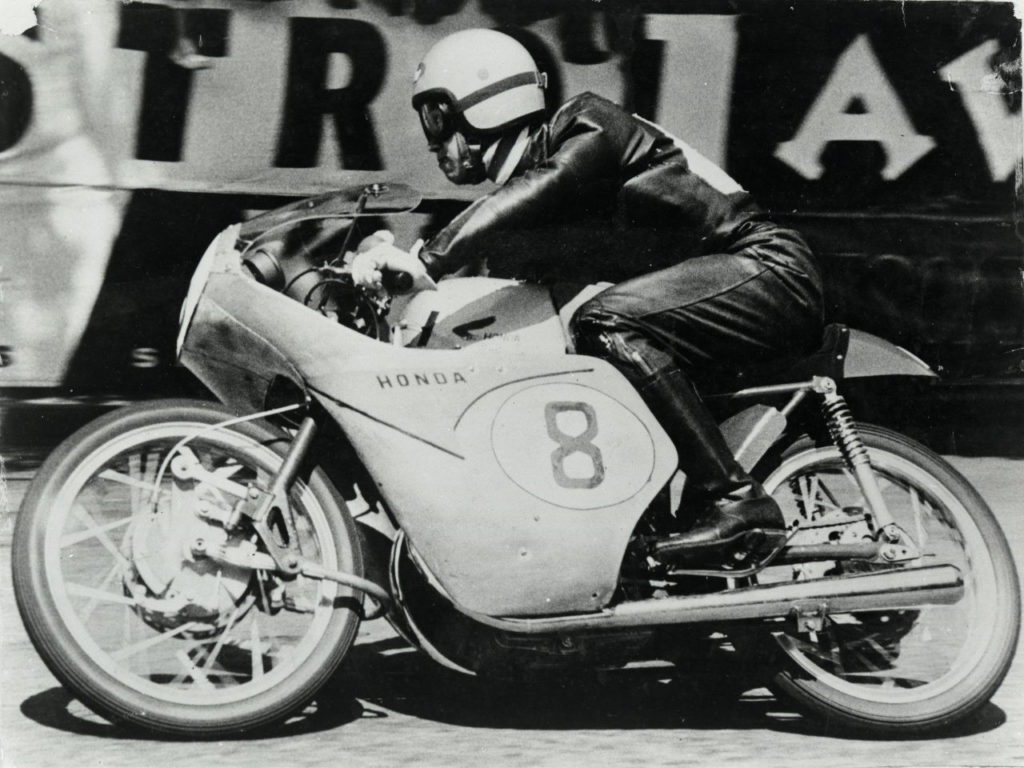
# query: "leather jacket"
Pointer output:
{"type": "Point", "coordinates": [596, 167]}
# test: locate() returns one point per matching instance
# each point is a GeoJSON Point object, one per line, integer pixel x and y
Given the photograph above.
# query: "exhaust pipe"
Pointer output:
{"type": "Point", "coordinates": [887, 590]}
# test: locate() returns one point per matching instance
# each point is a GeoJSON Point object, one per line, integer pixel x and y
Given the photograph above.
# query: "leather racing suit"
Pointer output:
{"type": "Point", "coordinates": [704, 278]}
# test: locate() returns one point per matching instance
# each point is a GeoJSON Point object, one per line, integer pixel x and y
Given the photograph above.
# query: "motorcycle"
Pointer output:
{"type": "Point", "coordinates": [444, 460]}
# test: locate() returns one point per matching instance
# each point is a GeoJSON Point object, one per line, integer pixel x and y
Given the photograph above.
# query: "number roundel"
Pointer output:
{"type": "Point", "coordinates": [572, 446]}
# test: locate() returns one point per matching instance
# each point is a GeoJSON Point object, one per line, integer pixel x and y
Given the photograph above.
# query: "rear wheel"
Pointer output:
{"type": "Point", "coordinates": [909, 670]}
{"type": "Point", "coordinates": [121, 603]}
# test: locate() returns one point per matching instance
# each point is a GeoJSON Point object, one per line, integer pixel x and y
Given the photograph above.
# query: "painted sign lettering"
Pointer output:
{"type": "Point", "coordinates": [857, 104]}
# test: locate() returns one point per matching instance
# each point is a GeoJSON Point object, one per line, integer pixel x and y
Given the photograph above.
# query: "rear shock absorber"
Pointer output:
{"type": "Point", "coordinates": [843, 429]}
{"type": "Point", "coordinates": [844, 433]}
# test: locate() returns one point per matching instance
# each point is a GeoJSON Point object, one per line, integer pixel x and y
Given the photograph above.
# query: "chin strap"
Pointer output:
{"type": "Point", "coordinates": [503, 155]}
{"type": "Point", "coordinates": [471, 164]}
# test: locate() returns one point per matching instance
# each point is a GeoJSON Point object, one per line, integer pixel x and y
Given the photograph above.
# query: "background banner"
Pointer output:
{"type": "Point", "coordinates": [131, 132]}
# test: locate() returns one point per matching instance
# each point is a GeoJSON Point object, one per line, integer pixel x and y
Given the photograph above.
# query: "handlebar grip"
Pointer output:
{"type": "Point", "coordinates": [396, 282]}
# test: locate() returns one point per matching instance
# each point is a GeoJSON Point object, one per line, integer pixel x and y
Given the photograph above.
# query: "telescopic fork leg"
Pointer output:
{"type": "Point", "coordinates": [287, 560]}
{"type": "Point", "coordinates": [260, 503]}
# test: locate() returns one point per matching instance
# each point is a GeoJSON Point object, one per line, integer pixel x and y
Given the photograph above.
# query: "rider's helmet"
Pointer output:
{"type": "Point", "coordinates": [479, 84]}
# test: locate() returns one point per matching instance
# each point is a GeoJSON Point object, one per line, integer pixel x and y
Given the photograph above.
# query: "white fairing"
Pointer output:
{"type": "Point", "coordinates": [524, 468]}
{"type": "Point", "coordinates": [215, 251]}
{"type": "Point", "coordinates": [518, 478]}
{"type": "Point", "coordinates": [516, 470]}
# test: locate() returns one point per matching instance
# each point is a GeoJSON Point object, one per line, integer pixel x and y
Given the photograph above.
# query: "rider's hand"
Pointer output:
{"type": "Point", "coordinates": [372, 241]}
{"type": "Point", "coordinates": [367, 267]}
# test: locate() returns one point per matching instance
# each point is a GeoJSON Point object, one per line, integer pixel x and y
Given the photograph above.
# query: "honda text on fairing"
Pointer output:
{"type": "Point", "coordinates": [195, 569]}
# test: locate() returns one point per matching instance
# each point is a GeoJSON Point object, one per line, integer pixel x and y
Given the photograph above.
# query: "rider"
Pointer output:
{"type": "Point", "coordinates": [708, 281]}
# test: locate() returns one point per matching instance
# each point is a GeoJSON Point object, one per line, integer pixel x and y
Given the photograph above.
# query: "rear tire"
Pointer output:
{"type": "Point", "coordinates": [86, 532]}
{"type": "Point", "coordinates": [931, 667]}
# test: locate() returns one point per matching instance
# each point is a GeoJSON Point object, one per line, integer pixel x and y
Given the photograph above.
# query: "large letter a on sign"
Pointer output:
{"type": "Point", "coordinates": [858, 77]}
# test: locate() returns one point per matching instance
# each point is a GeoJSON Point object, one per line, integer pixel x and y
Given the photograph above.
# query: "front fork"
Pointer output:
{"type": "Point", "coordinates": [260, 503]}
{"type": "Point", "coordinates": [263, 506]}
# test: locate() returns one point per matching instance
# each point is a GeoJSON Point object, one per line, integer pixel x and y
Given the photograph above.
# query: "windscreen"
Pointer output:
{"type": "Point", "coordinates": [372, 200]}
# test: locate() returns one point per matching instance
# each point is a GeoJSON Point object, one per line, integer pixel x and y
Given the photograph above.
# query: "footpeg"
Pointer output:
{"type": "Point", "coordinates": [751, 543]}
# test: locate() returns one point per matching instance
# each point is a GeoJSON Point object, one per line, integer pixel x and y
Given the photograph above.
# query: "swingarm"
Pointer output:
{"type": "Point", "coordinates": [893, 543]}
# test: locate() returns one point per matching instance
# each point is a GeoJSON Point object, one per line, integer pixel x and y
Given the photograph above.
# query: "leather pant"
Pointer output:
{"type": "Point", "coordinates": [761, 300]}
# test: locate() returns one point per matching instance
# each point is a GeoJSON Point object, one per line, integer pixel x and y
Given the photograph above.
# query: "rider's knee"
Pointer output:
{"type": "Point", "coordinates": [590, 329]}
{"type": "Point", "coordinates": [620, 340]}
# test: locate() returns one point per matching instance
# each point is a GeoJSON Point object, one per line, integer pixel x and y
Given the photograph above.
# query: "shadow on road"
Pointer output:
{"type": "Point", "coordinates": [388, 677]}
{"type": "Point", "coordinates": [56, 708]}
{"type": "Point", "coordinates": [407, 682]}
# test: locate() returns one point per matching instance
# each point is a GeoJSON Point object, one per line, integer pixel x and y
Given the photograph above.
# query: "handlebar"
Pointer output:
{"type": "Point", "coordinates": [393, 282]}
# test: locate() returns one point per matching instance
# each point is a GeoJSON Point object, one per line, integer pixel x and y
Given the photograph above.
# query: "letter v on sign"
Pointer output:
{"type": "Point", "coordinates": [857, 75]}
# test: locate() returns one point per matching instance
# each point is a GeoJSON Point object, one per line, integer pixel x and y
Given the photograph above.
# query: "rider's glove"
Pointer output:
{"type": "Point", "coordinates": [378, 237]}
{"type": "Point", "coordinates": [367, 266]}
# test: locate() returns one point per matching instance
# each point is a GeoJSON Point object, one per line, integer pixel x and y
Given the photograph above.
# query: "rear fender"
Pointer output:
{"type": "Point", "coordinates": [854, 355]}
{"type": "Point", "coordinates": [868, 355]}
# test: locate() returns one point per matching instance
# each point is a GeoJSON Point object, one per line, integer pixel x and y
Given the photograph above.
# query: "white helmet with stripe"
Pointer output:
{"type": "Point", "coordinates": [478, 81]}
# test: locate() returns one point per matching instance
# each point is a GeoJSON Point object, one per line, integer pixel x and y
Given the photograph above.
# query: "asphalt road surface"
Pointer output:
{"type": "Point", "coordinates": [392, 706]}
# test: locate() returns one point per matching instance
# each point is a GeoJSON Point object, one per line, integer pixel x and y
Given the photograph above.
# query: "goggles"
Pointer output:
{"type": "Point", "coordinates": [438, 120]}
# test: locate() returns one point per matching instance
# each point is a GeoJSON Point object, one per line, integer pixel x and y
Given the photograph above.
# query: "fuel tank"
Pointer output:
{"type": "Point", "coordinates": [480, 310]}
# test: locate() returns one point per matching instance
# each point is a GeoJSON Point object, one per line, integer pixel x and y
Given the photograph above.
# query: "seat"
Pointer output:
{"type": "Point", "coordinates": [827, 360]}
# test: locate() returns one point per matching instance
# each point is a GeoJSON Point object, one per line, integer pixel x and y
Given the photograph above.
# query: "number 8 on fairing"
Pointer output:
{"type": "Point", "coordinates": [571, 444]}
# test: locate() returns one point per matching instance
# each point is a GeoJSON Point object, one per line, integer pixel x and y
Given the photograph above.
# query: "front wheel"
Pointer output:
{"type": "Point", "coordinates": [914, 670]}
{"type": "Point", "coordinates": [127, 612]}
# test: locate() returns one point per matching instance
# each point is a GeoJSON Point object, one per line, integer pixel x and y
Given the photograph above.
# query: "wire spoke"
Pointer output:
{"type": "Point", "coordinates": [806, 497]}
{"type": "Point", "coordinates": [181, 677]}
{"type": "Point", "coordinates": [95, 529]}
{"type": "Point", "coordinates": [119, 477]}
{"type": "Point", "coordinates": [115, 569]}
{"type": "Point", "coordinates": [828, 494]}
{"type": "Point", "coordinates": [889, 656]}
{"type": "Point", "coordinates": [256, 651]}
{"type": "Point", "coordinates": [221, 473]}
{"type": "Point", "coordinates": [135, 487]}
{"type": "Point", "coordinates": [151, 468]}
{"type": "Point", "coordinates": [131, 650]}
{"type": "Point", "coordinates": [192, 670]}
{"type": "Point", "coordinates": [915, 503]}
{"type": "Point", "coordinates": [97, 595]}
{"type": "Point", "coordinates": [215, 652]}
{"type": "Point", "coordinates": [88, 533]}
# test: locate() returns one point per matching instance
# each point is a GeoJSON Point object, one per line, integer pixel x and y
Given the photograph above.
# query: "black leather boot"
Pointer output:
{"type": "Point", "coordinates": [737, 529]}
{"type": "Point", "coordinates": [740, 521]}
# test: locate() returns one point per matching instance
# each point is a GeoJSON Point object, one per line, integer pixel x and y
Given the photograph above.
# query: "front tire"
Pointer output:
{"type": "Point", "coordinates": [128, 617]}
{"type": "Point", "coordinates": [909, 671]}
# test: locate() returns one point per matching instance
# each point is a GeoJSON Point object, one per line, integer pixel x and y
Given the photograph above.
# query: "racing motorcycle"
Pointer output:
{"type": "Point", "coordinates": [445, 461]}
